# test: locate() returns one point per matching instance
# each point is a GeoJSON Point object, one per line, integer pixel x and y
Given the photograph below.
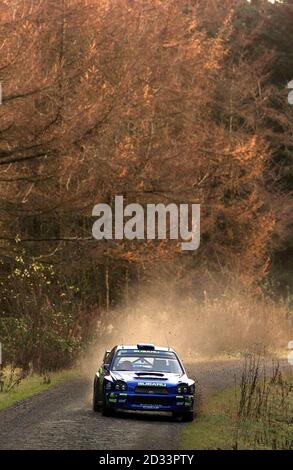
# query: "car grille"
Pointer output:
{"type": "Point", "coordinates": [150, 400]}
{"type": "Point", "coordinates": [157, 390]}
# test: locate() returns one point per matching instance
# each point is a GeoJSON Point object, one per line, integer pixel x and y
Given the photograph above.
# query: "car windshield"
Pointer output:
{"type": "Point", "coordinates": [146, 361]}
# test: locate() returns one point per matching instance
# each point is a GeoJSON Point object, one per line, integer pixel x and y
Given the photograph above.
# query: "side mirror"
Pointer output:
{"type": "Point", "coordinates": [106, 355]}
{"type": "Point", "coordinates": [106, 367]}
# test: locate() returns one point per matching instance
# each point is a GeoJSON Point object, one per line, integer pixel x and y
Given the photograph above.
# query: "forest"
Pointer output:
{"type": "Point", "coordinates": [156, 101]}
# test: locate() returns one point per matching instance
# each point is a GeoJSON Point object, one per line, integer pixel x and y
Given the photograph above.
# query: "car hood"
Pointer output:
{"type": "Point", "coordinates": [145, 378]}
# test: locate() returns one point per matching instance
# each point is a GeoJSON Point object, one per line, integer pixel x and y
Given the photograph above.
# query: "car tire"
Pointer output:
{"type": "Point", "coordinates": [176, 415]}
{"type": "Point", "coordinates": [96, 405]}
{"type": "Point", "coordinates": [107, 411]}
{"type": "Point", "coordinates": [188, 416]}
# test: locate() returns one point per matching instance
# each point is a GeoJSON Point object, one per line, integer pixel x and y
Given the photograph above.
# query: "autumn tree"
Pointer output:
{"type": "Point", "coordinates": [147, 99]}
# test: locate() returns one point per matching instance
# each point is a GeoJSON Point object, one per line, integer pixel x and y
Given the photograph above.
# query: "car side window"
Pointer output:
{"type": "Point", "coordinates": [106, 355]}
{"type": "Point", "coordinates": [108, 358]}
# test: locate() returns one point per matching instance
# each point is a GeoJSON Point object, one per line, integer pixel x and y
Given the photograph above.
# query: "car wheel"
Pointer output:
{"type": "Point", "coordinates": [176, 415]}
{"type": "Point", "coordinates": [106, 411]}
{"type": "Point", "coordinates": [96, 405]}
{"type": "Point", "coordinates": [188, 416]}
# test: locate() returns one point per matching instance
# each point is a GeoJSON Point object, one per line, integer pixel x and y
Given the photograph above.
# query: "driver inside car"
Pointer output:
{"type": "Point", "coordinates": [125, 365]}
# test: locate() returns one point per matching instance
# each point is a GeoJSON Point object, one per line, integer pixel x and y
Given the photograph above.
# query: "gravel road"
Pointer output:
{"type": "Point", "coordinates": [62, 418]}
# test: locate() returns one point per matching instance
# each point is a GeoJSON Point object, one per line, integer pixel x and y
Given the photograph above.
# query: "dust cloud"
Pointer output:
{"type": "Point", "coordinates": [230, 324]}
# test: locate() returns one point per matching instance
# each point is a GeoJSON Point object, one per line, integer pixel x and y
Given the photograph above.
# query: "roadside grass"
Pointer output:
{"type": "Point", "coordinates": [255, 414]}
{"type": "Point", "coordinates": [213, 428]}
{"type": "Point", "coordinates": [32, 385]}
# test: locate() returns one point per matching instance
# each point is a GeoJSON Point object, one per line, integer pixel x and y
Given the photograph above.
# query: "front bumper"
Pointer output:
{"type": "Point", "coordinates": [149, 402]}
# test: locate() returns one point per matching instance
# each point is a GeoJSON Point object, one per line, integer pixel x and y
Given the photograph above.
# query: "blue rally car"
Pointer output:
{"type": "Point", "coordinates": [143, 377]}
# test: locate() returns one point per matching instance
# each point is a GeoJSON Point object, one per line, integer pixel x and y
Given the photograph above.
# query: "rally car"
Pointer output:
{"type": "Point", "coordinates": [143, 377]}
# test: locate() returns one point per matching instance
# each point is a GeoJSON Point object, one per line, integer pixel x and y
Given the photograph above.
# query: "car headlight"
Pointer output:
{"type": "Point", "coordinates": [108, 385]}
{"type": "Point", "coordinates": [192, 389]}
{"type": "Point", "coordinates": [183, 389]}
{"type": "Point", "coordinates": [120, 386]}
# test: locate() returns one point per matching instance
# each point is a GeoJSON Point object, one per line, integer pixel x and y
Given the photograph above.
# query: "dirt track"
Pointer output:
{"type": "Point", "coordinates": [62, 418]}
